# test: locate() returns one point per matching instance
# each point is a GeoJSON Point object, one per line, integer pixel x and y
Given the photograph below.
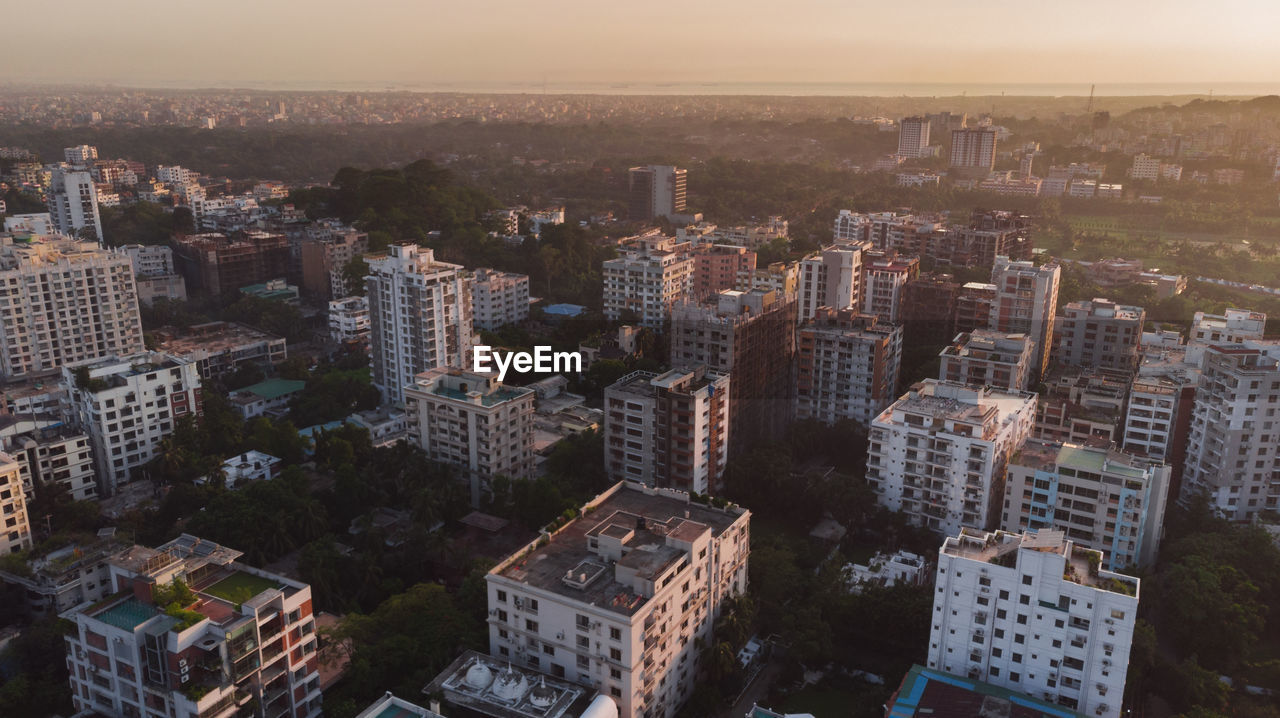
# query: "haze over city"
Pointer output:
{"type": "Point", "coordinates": [571, 45]}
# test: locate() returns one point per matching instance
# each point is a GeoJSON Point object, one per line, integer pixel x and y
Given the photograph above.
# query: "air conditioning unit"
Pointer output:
{"type": "Point", "coordinates": [559, 635]}
{"type": "Point", "coordinates": [185, 678]}
{"type": "Point", "coordinates": [182, 663]}
{"type": "Point", "coordinates": [494, 612]}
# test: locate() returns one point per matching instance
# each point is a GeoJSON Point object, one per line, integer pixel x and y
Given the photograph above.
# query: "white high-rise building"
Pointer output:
{"type": "Point", "coordinates": [64, 301]}
{"type": "Point", "coordinates": [851, 227]}
{"type": "Point", "coordinates": [940, 452]}
{"type": "Point", "coordinates": [15, 532]}
{"type": "Point", "coordinates": [1145, 167]}
{"type": "Point", "coordinates": [830, 278]}
{"type": "Point", "coordinates": [623, 597]}
{"type": "Point", "coordinates": [127, 406]}
{"type": "Point", "coordinates": [647, 281]}
{"type": "Point", "coordinates": [73, 204]}
{"type": "Point", "coordinates": [474, 422]}
{"type": "Point", "coordinates": [50, 451]}
{"type": "Point", "coordinates": [656, 191]}
{"type": "Point", "coordinates": [1099, 497]}
{"type": "Point", "coordinates": [973, 150]}
{"type": "Point", "coordinates": [499, 298]}
{"type": "Point", "coordinates": [149, 260]}
{"type": "Point", "coordinates": [1025, 303]}
{"type": "Point", "coordinates": [883, 277]}
{"type": "Point", "coordinates": [1231, 327]}
{"type": "Point", "coordinates": [913, 137]}
{"type": "Point", "coordinates": [349, 319]}
{"type": "Point", "coordinates": [80, 156]}
{"type": "Point", "coordinates": [419, 317]}
{"type": "Point", "coordinates": [1234, 444]}
{"type": "Point", "coordinates": [1151, 417]}
{"type": "Point", "coordinates": [1036, 614]}
{"type": "Point", "coordinates": [669, 430]}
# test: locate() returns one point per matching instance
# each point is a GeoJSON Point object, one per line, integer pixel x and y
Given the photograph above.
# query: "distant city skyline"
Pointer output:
{"type": "Point", "coordinates": [570, 45]}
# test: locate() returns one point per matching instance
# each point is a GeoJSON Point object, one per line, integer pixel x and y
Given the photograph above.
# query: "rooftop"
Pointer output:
{"type": "Point", "coordinates": [638, 517]}
{"type": "Point", "coordinates": [1001, 548]}
{"type": "Point", "coordinates": [487, 686]}
{"type": "Point", "coordinates": [212, 338]}
{"type": "Point", "coordinates": [275, 388]}
{"type": "Point", "coordinates": [926, 692]}
{"type": "Point", "coordinates": [1095, 460]}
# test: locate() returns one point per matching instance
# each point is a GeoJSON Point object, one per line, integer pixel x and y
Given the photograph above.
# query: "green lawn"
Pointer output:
{"type": "Point", "coordinates": [846, 699]}
{"type": "Point", "coordinates": [240, 587]}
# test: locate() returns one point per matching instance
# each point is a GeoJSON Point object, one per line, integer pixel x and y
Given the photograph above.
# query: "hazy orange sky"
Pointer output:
{"type": "Point", "coordinates": [319, 42]}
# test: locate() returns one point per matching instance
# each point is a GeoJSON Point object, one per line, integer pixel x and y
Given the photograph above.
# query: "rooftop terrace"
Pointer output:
{"type": "Point", "coordinates": [615, 515]}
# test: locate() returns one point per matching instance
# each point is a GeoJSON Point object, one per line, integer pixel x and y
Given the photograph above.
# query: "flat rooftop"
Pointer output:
{"type": "Point", "coordinates": [926, 692]}
{"type": "Point", "coordinates": [214, 338]}
{"type": "Point", "coordinates": [1001, 548]}
{"type": "Point", "coordinates": [567, 552]}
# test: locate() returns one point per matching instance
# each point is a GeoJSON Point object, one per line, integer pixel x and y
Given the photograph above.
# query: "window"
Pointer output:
{"type": "Point", "coordinates": [615, 674]}
{"type": "Point", "coordinates": [1015, 677]}
{"type": "Point", "coordinates": [583, 662]}
{"type": "Point", "coordinates": [1026, 580]}
{"type": "Point", "coordinates": [531, 625]}
{"type": "Point", "coordinates": [1004, 595]}
{"type": "Point", "coordinates": [502, 596]}
{"type": "Point", "coordinates": [615, 634]}
{"type": "Point", "coordinates": [1022, 619]}
{"type": "Point", "coordinates": [615, 654]}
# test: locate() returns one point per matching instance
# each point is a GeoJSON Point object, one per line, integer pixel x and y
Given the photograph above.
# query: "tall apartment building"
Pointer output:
{"type": "Point", "coordinates": [127, 406]}
{"type": "Point", "coordinates": [847, 366]}
{"type": "Point", "coordinates": [1099, 333]}
{"type": "Point", "coordinates": [63, 301]}
{"type": "Point", "coordinates": [1234, 326]}
{"type": "Point", "coordinates": [498, 298]}
{"type": "Point", "coordinates": [349, 319]}
{"type": "Point", "coordinates": [913, 137]}
{"type": "Point", "coordinates": [1145, 167]}
{"type": "Point", "coordinates": [939, 453]}
{"type": "Point", "coordinates": [830, 278]}
{"type": "Point", "coordinates": [716, 267]}
{"type": "Point", "coordinates": [851, 227]}
{"type": "Point", "coordinates": [80, 155]}
{"type": "Point", "coordinates": [154, 273]}
{"type": "Point", "coordinates": [1026, 301]}
{"type": "Point", "coordinates": [623, 597]}
{"type": "Point", "coordinates": [988, 234]}
{"type": "Point", "coordinates": [16, 532]}
{"type": "Point", "coordinates": [780, 277]}
{"type": "Point", "coordinates": [149, 260]}
{"type": "Point", "coordinates": [1100, 498]}
{"type": "Point", "coordinates": [884, 274]}
{"type": "Point", "coordinates": [751, 337]}
{"type": "Point", "coordinates": [986, 358]}
{"type": "Point", "coordinates": [49, 451]}
{"type": "Point", "coordinates": [973, 151]}
{"type": "Point", "coordinates": [324, 259]}
{"type": "Point", "coordinates": [243, 636]}
{"type": "Point", "coordinates": [219, 264]}
{"type": "Point", "coordinates": [73, 204]}
{"type": "Point", "coordinates": [474, 422]}
{"type": "Point", "coordinates": [974, 301]}
{"type": "Point", "coordinates": [647, 281]}
{"type": "Point", "coordinates": [1157, 422]}
{"type": "Point", "coordinates": [1234, 444]}
{"type": "Point", "coordinates": [419, 317]}
{"type": "Point", "coordinates": [669, 430]}
{"type": "Point", "coordinates": [1033, 613]}
{"type": "Point", "coordinates": [656, 191]}
{"type": "Point", "coordinates": [928, 308]}
{"type": "Point", "coordinates": [68, 576]}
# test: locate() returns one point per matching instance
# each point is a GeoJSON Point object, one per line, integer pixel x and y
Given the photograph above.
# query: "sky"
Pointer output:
{"type": "Point", "coordinates": [472, 43]}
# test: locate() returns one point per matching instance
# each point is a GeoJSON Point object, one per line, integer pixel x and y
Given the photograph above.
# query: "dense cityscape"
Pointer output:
{"type": "Point", "coordinates": [393, 404]}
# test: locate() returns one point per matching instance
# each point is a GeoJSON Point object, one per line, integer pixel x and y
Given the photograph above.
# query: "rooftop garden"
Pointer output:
{"type": "Point", "coordinates": [240, 587]}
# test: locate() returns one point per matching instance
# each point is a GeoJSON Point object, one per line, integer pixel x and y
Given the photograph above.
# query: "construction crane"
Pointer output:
{"type": "Point", "coordinates": [1089, 108]}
